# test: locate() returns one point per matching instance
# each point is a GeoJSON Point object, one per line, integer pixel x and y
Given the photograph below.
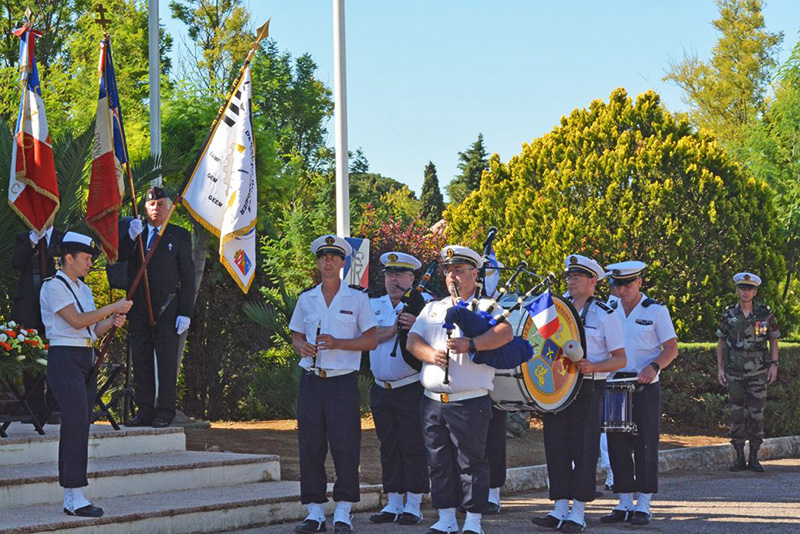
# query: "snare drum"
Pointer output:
{"type": "Point", "coordinates": [618, 407]}
{"type": "Point", "coordinates": [549, 381]}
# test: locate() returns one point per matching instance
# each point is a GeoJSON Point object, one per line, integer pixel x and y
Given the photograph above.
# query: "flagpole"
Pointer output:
{"type": "Point", "coordinates": [154, 60]}
{"type": "Point", "coordinates": [262, 33]}
{"type": "Point", "coordinates": [340, 121]}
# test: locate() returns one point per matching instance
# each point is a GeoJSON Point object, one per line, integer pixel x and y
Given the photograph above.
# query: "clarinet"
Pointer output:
{"type": "Point", "coordinates": [314, 358]}
{"type": "Point", "coordinates": [449, 335]}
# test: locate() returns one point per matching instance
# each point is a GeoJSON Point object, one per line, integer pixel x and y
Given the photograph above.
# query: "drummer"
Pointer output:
{"type": "Point", "coordinates": [456, 412]}
{"type": "Point", "coordinates": [572, 436]}
{"type": "Point", "coordinates": [651, 345]}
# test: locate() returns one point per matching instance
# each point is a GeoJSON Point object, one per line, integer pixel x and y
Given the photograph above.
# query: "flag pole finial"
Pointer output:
{"type": "Point", "coordinates": [29, 16]}
{"type": "Point", "coordinates": [102, 20]}
{"type": "Point", "coordinates": [261, 34]}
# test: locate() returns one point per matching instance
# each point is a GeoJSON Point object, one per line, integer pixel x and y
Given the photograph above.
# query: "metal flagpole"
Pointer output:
{"type": "Point", "coordinates": [340, 121]}
{"type": "Point", "coordinates": [155, 85]}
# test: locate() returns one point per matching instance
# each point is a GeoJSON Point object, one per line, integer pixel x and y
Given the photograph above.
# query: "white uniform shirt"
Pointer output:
{"type": "Point", "coordinates": [348, 317]}
{"type": "Point", "coordinates": [384, 366]}
{"type": "Point", "coordinates": [465, 375]}
{"type": "Point", "coordinates": [646, 330]}
{"type": "Point", "coordinates": [54, 297]}
{"type": "Point", "coordinates": [603, 334]}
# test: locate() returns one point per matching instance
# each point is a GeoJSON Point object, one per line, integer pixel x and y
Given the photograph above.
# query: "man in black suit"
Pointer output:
{"type": "Point", "coordinates": [25, 309]}
{"type": "Point", "coordinates": [172, 290]}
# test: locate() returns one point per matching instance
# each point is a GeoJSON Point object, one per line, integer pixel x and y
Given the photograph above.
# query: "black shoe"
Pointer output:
{"type": "Point", "coordinates": [547, 521]}
{"type": "Point", "coordinates": [407, 518]}
{"type": "Point", "coordinates": [610, 487]}
{"type": "Point", "coordinates": [753, 462]}
{"type": "Point", "coordinates": [617, 516]}
{"type": "Point", "coordinates": [571, 526]}
{"type": "Point", "coordinates": [471, 532]}
{"type": "Point", "coordinates": [89, 510]}
{"type": "Point", "coordinates": [138, 422]}
{"type": "Point", "coordinates": [384, 517]}
{"type": "Point", "coordinates": [437, 531]}
{"type": "Point", "coordinates": [738, 464]}
{"type": "Point", "coordinates": [340, 527]}
{"type": "Point", "coordinates": [160, 423]}
{"type": "Point", "coordinates": [309, 525]}
{"type": "Point", "coordinates": [492, 508]}
{"type": "Point", "coordinates": [640, 518]}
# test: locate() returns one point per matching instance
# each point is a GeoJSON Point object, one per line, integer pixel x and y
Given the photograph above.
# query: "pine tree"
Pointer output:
{"type": "Point", "coordinates": [432, 199]}
{"type": "Point", "coordinates": [472, 163]}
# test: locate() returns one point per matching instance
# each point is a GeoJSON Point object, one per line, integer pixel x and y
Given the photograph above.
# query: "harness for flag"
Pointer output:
{"type": "Point", "coordinates": [221, 190]}
{"type": "Point", "coordinates": [544, 314]}
{"type": "Point", "coordinates": [33, 187]}
{"type": "Point", "coordinates": [107, 186]}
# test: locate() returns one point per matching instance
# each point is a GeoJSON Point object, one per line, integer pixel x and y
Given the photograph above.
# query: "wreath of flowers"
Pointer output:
{"type": "Point", "coordinates": [21, 349]}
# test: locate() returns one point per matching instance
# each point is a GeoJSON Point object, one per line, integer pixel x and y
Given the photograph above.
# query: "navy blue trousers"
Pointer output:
{"type": "Point", "coordinates": [572, 444]}
{"type": "Point", "coordinates": [455, 438]}
{"type": "Point", "coordinates": [162, 338]}
{"type": "Point", "coordinates": [397, 423]}
{"type": "Point", "coordinates": [67, 371]}
{"type": "Point", "coordinates": [634, 458]}
{"type": "Point", "coordinates": [496, 448]}
{"type": "Point", "coordinates": [328, 414]}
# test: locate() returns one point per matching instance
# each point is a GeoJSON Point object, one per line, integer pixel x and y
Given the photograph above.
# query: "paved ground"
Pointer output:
{"type": "Point", "coordinates": [702, 502]}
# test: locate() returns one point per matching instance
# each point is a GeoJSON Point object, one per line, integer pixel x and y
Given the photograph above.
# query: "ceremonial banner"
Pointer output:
{"type": "Point", "coordinates": [221, 191]}
{"type": "Point", "coordinates": [356, 266]}
{"type": "Point", "coordinates": [106, 186]}
{"type": "Point", "coordinates": [33, 188]}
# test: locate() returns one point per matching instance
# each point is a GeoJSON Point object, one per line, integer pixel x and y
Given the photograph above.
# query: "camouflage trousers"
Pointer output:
{"type": "Point", "coordinates": [747, 396]}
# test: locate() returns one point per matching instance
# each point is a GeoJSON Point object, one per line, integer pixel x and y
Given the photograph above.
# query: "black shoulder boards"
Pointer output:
{"type": "Point", "coordinates": [358, 288]}
{"type": "Point", "coordinates": [614, 304]}
{"type": "Point", "coordinates": [648, 301]}
{"type": "Point", "coordinates": [309, 288]}
{"type": "Point", "coordinates": [603, 306]}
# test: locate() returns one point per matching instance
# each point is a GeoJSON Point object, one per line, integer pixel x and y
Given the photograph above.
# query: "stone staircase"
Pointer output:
{"type": "Point", "coordinates": [146, 481]}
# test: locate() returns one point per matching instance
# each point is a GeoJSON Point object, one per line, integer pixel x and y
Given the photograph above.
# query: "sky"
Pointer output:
{"type": "Point", "coordinates": [424, 77]}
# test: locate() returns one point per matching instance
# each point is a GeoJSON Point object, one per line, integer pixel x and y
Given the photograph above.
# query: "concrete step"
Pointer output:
{"type": "Point", "coordinates": [228, 508]}
{"type": "Point", "coordinates": [24, 446]}
{"type": "Point", "coordinates": [30, 484]}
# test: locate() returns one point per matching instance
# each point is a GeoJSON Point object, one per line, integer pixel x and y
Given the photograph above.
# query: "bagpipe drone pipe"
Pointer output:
{"type": "Point", "coordinates": [413, 302]}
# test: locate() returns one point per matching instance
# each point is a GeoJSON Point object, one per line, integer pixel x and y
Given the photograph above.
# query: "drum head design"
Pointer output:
{"type": "Point", "coordinates": [551, 379]}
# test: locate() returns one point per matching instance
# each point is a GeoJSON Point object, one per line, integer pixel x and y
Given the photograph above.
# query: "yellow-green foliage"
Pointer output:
{"type": "Point", "coordinates": [623, 180]}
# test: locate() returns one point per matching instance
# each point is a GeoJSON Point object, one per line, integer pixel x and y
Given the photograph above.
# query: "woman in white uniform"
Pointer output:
{"type": "Point", "coordinates": [72, 324]}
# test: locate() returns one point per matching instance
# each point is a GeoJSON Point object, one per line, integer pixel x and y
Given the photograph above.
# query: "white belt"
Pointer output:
{"type": "Point", "coordinates": [394, 384]}
{"type": "Point", "coordinates": [329, 373]}
{"type": "Point", "coordinates": [455, 397]}
{"type": "Point", "coordinates": [71, 342]}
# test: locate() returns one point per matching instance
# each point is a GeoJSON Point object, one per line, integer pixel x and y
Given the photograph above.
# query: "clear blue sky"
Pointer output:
{"type": "Point", "coordinates": [425, 76]}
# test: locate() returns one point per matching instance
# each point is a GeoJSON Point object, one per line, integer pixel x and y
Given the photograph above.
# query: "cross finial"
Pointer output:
{"type": "Point", "coordinates": [102, 20]}
{"type": "Point", "coordinates": [29, 16]}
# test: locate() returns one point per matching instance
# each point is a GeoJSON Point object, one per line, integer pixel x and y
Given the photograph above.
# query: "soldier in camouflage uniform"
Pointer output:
{"type": "Point", "coordinates": [747, 358]}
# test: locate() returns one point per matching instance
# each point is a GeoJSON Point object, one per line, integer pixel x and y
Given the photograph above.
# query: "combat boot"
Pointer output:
{"type": "Point", "coordinates": [754, 463]}
{"type": "Point", "coordinates": [738, 464]}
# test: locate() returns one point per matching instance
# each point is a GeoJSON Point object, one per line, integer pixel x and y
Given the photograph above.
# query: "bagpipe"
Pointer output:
{"type": "Point", "coordinates": [413, 302]}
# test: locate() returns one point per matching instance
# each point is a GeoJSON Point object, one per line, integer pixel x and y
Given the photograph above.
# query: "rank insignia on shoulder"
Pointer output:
{"type": "Point", "coordinates": [309, 288]}
{"type": "Point", "coordinates": [358, 288]}
{"type": "Point", "coordinates": [605, 307]}
{"type": "Point", "coordinates": [648, 301]}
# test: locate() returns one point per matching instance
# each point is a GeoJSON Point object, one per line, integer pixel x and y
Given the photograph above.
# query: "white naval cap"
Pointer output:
{"type": "Point", "coordinates": [575, 263]}
{"type": "Point", "coordinates": [75, 242]}
{"type": "Point", "coordinates": [452, 254]}
{"type": "Point", "coordinates": [747, 279]}
{"type": "Point", "coordinates": [331, 244]}
{"type": "Point", "coordinates": [625, 272]}
{"type": "Point", "coordinates": [399, 261]}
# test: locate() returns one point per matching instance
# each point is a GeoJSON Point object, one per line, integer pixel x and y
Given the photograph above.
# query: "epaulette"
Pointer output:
{"type": "Point", "coordinates": [614, 304]}
{"type": "Point", "coordinates": [309, 288]}
{"type": "Point", "coordinates": [603, 306]}
{"type": "Point", "coordinates": [48, 278]}
{"type": "Point", "coordinates": [648, 301]}
{"type": "Point", "coordinates": [359, 288]}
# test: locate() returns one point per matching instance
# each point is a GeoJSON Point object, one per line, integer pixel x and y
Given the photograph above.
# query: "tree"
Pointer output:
{"type": "Point", "coordinates": [727, 93]}
{"type": "Point", "coordinates": [621, 181]}
{"type": "Point", "coordinates": [472, 163]}
{"type": "Point", "coordinates": [358, 162]}
{"type": "Point", "coordinates": [432, 200]}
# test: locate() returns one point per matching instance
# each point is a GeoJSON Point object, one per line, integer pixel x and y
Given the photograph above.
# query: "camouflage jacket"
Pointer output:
{"type": "Point", "coordinates": [748, 334]}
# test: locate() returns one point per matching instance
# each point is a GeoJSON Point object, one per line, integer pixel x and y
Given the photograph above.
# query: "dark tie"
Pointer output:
{"type": "Point", "coordinates": [153, 234]}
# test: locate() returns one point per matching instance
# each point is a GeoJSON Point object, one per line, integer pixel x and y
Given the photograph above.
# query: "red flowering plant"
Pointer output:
{"type": "Point", "coordinates": [20, 349]}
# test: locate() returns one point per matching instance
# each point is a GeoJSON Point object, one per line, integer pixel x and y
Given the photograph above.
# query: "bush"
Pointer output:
{"type": "Point", "coordinates": [694, 400]}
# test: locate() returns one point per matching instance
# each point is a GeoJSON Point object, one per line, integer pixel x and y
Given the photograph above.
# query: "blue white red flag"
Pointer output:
{"type": "Point", "coordinates": [33, 187]}
{"type": "Point", "coordinates": [107, 185]}
{"type": "Point", "coordinates": [544, 314]}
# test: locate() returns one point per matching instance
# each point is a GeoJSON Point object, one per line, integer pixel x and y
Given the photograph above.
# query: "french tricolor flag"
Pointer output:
{"type": "Point", "coordinates": [544, 315]}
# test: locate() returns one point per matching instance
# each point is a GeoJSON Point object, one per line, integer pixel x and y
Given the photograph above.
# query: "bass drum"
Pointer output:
{"type": "Point", "coordinates": [549, 381]}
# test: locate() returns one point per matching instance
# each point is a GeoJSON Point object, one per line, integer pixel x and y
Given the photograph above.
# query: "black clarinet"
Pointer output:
{"type": "Point", "coordinates": [314, 358]}
{"type": "Point", "coordinates": [449, 335]}
{"type": "Point", "coordinates": [426, 277]}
